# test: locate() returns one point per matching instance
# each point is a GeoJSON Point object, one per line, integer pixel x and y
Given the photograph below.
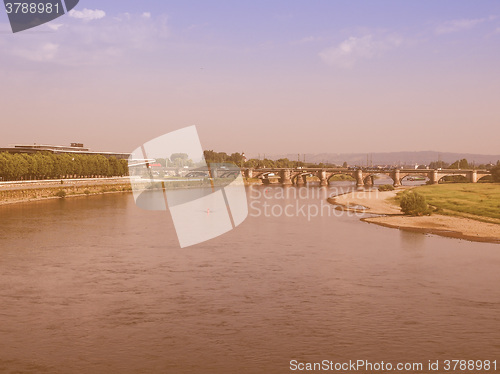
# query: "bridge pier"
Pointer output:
{"type": "Point", "coordinates": [359, 178]}
{"type": "Point", "coordinates": [299, 180]}
{"type": "Point", "coordinates": [433, 176]}
{"type": "Point", "coordinates": [285, 177]}
{"type": "Point", "coordinates": [369, 181]}
{"type": "Point", "coordinates": [323, 180]}
{"type": "Point", "coordinates": [396, 178]}
{"type": "Point", "coordinates": [472, 176]}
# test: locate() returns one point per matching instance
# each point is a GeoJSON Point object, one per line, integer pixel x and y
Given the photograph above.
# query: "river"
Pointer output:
{"type": "Point", "coordinates": [96, 285]}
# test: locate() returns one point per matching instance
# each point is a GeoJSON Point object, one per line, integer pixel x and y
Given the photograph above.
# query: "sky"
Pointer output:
{"type": "Point", "coordinates": [266, 77]}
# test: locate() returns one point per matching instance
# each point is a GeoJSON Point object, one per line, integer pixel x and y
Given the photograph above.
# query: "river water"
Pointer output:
{"type": "Point", "coordinates": [96, 285]}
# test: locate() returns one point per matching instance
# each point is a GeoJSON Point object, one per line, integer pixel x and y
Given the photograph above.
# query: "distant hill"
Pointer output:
{"type": "Point", "coordinates": [389, 158]}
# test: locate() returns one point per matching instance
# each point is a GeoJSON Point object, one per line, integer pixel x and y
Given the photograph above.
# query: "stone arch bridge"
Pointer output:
{"type": "Point", "coordinates": [363, 177]}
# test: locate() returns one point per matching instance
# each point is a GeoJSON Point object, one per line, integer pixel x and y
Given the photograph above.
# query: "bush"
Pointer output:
{"type": "Point", "coordinates": [413, 203]}
{"type": "Point", "coordinates": [61, 193]}
{"type": "Point", "coordinates": [86, 192]}
{"type": "Point", "coordinates": [495, 173]}
{"type": "Point", "coordinates": [386, 187]}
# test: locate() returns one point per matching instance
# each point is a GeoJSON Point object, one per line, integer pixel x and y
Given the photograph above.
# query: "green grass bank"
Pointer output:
{"type": "Point", "coordinates": [472, 200]}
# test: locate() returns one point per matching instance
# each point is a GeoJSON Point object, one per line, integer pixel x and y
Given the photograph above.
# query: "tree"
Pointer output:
{"type": "Point", "coordinates": [252, 163]}
{"type": "Point", "coordinates": [414, 204]}
{"type": "Point", "coordinates": [161, 161]}
{"type": "Point", "coordinates": [495, 172]}
{"type": "Point", "coordinates": [283, 163]}
{"type": "Point", "coordinates": [438, 165]}
{"type": "Point", "coordinates": [114, 167]}
{"type": "Point", "coordinates": [43, 165]}
{"type": "Point", "coordinates": [266, 163]}
{"type": "Point", "coordinates": [344, 165]}
{"type": "Point", "coordinates": [236, 158]}
{"type": "Point", "coordinates": [215, 157]}
{"type": "Point", "coordinates": [21, 167]}
{"type": "Point", "coordinates": [102, 165]}
{"type": "Point", "coordinates": [6, 166]}
{"type": "Point", "coordinates": [460, 164]}
{"type": "Point", "coordinates": [123, 170]}
{"type": "Point", "coordinates": [179, 159]}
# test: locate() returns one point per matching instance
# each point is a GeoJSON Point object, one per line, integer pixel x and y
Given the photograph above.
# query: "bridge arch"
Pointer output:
{"type": "Point", "coordinates": [350, 174]}
{"type": "Point", "coordinates": [264, 174]}
{"type": "Point", "coordinates": [485, 177]}
{"type": "Point", "coordinates": [296, 177]}
{"type": "Point", "coordinates": [464, 175]}
{"type": "Point", "coordinates": [368, 179]}
{"type": "Point", "coordinates": [405, 177]}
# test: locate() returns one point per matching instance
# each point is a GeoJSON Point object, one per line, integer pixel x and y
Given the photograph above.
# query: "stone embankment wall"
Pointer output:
{"type": "Point", "coordinates": [44, 192]}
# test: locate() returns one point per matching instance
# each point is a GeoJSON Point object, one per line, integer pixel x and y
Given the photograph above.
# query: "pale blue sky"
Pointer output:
{"type": "Point", "coordinates": [259, 76]}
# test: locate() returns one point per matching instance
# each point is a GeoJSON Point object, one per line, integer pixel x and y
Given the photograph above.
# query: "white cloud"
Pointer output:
{"type": "Point", "coordinates": [87, 14]}
{"type": "Point", "coordinates": [105, 43]}
{"type": "Point", "coordinates": [41, 53]}
{"type": "Point", "coordinates": [54, 26]}
{"type": "Point", "coordinates": [353, 49]}
{"type": "Point", "coordinates": [305, 40]}
{"type": "Point", "coordinates": [146, 15]}
{"type": "Point", "coordinates": [460, 25]}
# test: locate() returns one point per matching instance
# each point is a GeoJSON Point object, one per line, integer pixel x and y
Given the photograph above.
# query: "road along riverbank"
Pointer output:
{"type": "Point", "coordinates": [384, 204]}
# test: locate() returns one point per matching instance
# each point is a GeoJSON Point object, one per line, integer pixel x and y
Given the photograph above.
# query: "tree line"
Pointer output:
{"type": "Point", "coordinates": [46, 165]}
{"type": "Point", "coordinates": [460, 164]}
{"type": "Point", "coordinates": [240, 160]}
{"type": "Point", "coordinates": [495, 172]}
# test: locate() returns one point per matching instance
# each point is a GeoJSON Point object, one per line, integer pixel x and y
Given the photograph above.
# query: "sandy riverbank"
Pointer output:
{"type": "Point", "coordinates": [383, 203]}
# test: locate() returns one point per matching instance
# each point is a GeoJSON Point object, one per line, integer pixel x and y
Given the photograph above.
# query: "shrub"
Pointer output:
{"type": "Point", "coordinates": [413, 203]}
{"type": "Point", "coordinates": [86, 192]}
{"type": "Point", "coordinates": [61, 193]}
{"type": "Point", "coordinates": [386, 187]}
{"type": "Point", "coordinates": [495, 173]}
